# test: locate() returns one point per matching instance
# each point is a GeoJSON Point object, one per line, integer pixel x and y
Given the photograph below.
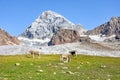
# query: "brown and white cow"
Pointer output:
{"type": "Point", "coordinates": [65, 58]}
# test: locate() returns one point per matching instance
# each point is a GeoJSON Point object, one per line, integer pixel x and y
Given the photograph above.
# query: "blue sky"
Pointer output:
{"type": "Point", "coordinates": [17, 15]}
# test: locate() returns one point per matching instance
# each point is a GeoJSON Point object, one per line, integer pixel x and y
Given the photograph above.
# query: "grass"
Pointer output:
{"type": "Point", "coordinates": [48, 67]}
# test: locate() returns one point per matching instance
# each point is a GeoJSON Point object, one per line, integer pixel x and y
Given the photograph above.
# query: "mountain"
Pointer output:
{"type": "Point", "coordinates": [109, 28]}
{"type": "Point", "coordinates": [45, 26]}
{"type": "Point", "coordinates": [7, 39]}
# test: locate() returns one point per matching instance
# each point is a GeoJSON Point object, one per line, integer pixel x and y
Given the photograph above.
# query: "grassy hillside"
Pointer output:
{"type": "Point", "coordinates": [48, 67]}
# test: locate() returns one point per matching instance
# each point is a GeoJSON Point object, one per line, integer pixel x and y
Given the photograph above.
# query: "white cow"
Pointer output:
{"type": "Point", "coordinates": [35, 52]}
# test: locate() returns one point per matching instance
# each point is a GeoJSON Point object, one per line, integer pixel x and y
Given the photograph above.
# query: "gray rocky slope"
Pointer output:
{"type": "Point", "coordinates": [94, 49]}
{"type": "Point", "coordinates": [43, 28]}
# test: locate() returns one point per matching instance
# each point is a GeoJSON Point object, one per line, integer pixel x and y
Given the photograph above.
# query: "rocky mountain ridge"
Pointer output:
{"type": "Point", "coordinates": [109, 28]}
{"type": "Point", "coordinates": [7, 39]}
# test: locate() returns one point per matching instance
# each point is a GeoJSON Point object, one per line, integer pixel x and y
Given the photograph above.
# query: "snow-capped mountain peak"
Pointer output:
{"type": "Point", "coordinates": [50, 15]}
{"type": "Point", "coordinates": [46, 25]}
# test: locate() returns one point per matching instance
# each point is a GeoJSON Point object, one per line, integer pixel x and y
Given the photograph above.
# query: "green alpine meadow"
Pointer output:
{"type": "Point", "coordinates": [49, 67]}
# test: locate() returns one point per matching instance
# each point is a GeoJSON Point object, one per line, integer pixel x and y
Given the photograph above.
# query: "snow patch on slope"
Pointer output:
{"type": "Point", "coordinates": [100, 38]}
{"type": "Point", "coordinates": [34, 40]}
{"type": "Point", "coordinates": [97, 38]}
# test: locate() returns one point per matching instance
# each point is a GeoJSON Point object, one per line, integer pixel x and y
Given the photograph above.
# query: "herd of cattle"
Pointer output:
{"type": "Point", "coordinates": [63, 57]}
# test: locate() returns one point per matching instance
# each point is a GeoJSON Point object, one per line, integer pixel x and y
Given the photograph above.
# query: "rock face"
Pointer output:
{"type": "Point", "coordinates": [45, 26]}
{"type": "Point", "coordinates": [110, 28]}
{"type": "Point", "coordinates": [85, 39]}
{"type": "Point", "coordinates": [6, 39]}
{"type": "Point", "coordinates": [117, 34]}
{"type": "Point", "coordinates": [64, 36]}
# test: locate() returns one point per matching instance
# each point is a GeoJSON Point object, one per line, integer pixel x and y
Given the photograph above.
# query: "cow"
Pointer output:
{"type": "Point", "coordinates": [73, 53]}
{"type": "Point", "coordinates": [65, 58]}
{"type": "Point", "coordinates": [34, 52]}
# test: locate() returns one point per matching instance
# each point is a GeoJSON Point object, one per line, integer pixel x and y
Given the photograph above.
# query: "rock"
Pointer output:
{"type": "Point", "coordinates": [5, 79]}
{"type": "Point", "coordinates": [78, 67]}
{"type": "Point", "coordinates": [49, 64]}
{"type": "Point", "coordinates": [63, 72]}
{"type": "Point", "coordinates": [64, 36]}
{"type": "Point", "coordinates": [54, 73]}
{"type": "Point", "coordinates": [30, 77]}
{"type": "Point", "coordinates": [64, 68]}
{"type": "Point", "coordinates": [54, 66]}
{"type": "Point", "coordinates": [103, 66]}
{"type": "Point", "coordinates": [88, 77]}
{"type": "Point", "coordinates": [87, 62]}
{"type": "Point", "coordinates": [17, 64]}
{"type": "Point", "coordinates": [31, 64]}
{"type": "Point", "coordinates": [41, 71]}
{"type": "Point", "coordinates": [69, 72]}
{"type": "Point", "coordinates": [81, 63]}
{"type": "Point", "coordinates": [108, 75]}
{"type": "Point", "coordinates": [61, 63]}
{"type": "Point", "coordinates": [39, 66]}
{"type": "Point", "coordinates": [38, 73]}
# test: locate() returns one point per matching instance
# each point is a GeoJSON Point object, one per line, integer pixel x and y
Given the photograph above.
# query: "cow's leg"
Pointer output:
{"type": "Point", "coordinates": [38, 54]}
{"type": "Point", "coordinates": [33, 55]}
{"type": "Point", "coordinates": [61, 58]}
{"type": "Point", "coordinates": [69, 59]}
